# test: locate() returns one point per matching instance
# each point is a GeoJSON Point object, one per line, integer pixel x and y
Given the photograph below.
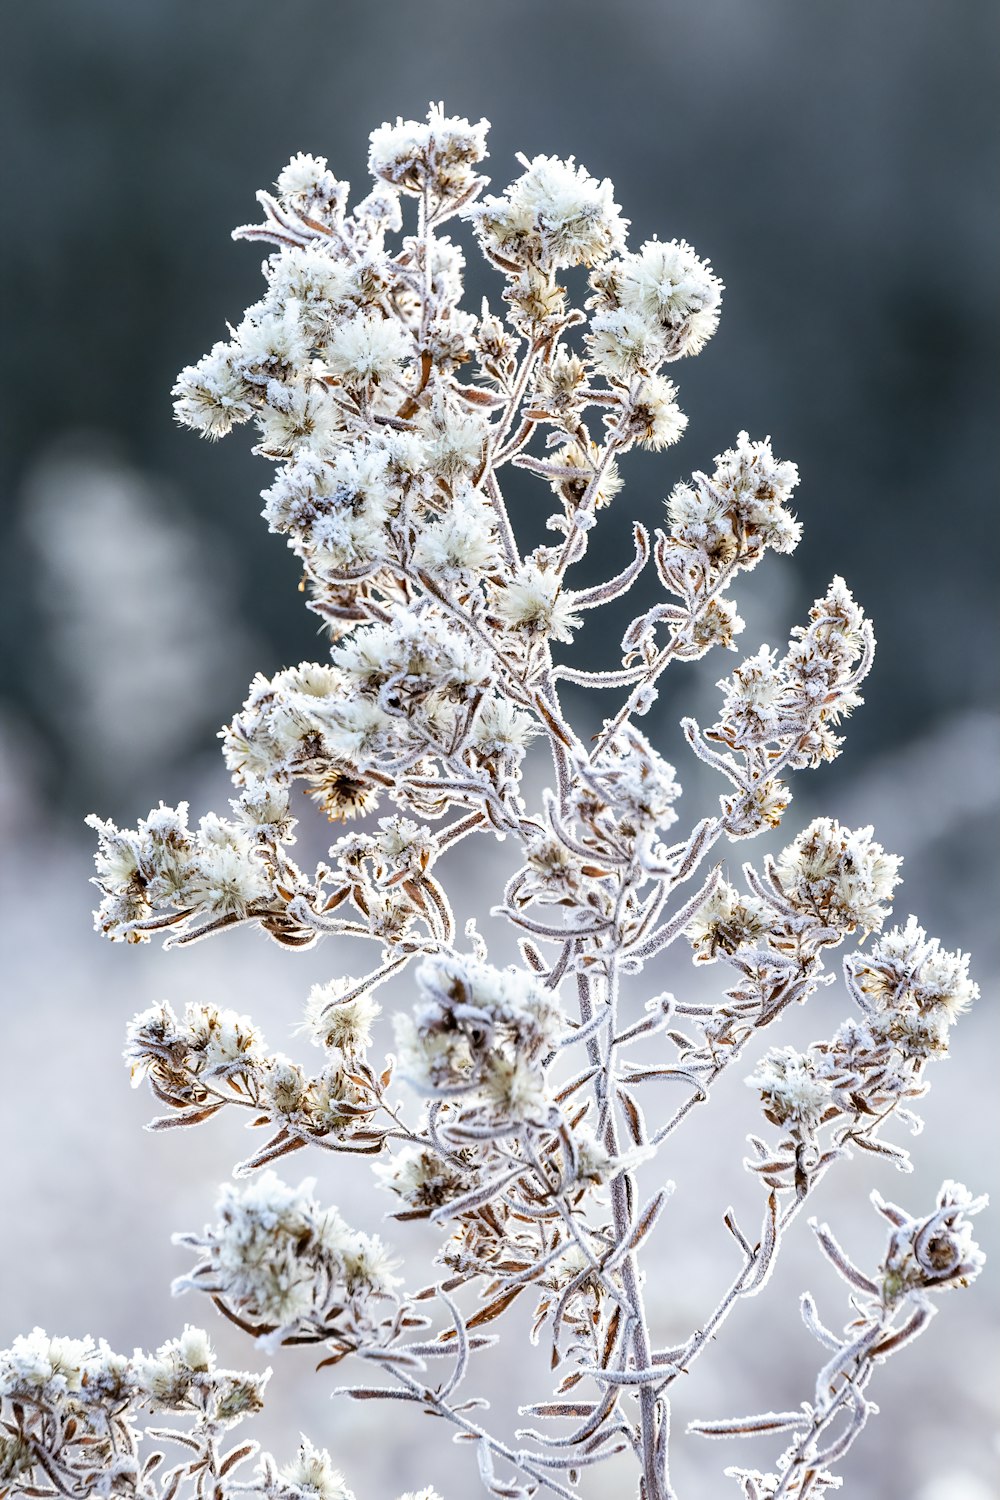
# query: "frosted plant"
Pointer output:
{"type": "Point", "coordinates": [538, 1101]}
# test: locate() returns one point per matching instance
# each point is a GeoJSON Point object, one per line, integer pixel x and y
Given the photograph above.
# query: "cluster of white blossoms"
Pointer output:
{"type": "Point", "coordinates": [163, 865]}
{"type": "Point", "coordinates": [656, 305]}
{"type": "Point", "coordinates": [482, 1035]}
{"type": "Point", "coordinates": [390, 414]}
{"type": "Point", "coordinates": [842, 878]}
{"type": "Point", "coordinates": [211, 1058]}
{"type": "Point", "coordinates": [76, 1419]}
{"type": "Point", "coordinates": [280, 1264]}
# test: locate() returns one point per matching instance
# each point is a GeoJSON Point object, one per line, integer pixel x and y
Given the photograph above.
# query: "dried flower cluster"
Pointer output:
{"type": "Point", "coordinates": [390, 413]}
{"type": "Point", "coordinates": [77, 1422]}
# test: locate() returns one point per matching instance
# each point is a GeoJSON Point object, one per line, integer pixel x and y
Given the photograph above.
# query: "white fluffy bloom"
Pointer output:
{"type": "Point", "coordinates": [356, 730]}
{"type": "Point", "coordinates": [439, 153]}
{"type": "Point", "coordinates": [281, 1261]}
{"type": "Point", "coordinates": [305, 422]}
{"type": "Point", "coordinates": [422, 1178]}
{"type": "Point", "coordinates": [516, 1090]}
{"type": "Point", "coordinates": [333, 1021]}
{"type": "Point", "coordinates": [268, 342]}
{"type": "Point", "coordinates": [755, 707]}
{"type": "Point", "coordinates": [209, 1042]}
{"type": "Point", "coordinates": [623, 344]}
{"type": "Point", "coordinates": [726, 921]}
{"type": "Point", "coordinates": [211, 396]}
{"type": "Point", "coordinates": [422, 653]}
{"type": "Point", "coordinates": [481, 1032]}
{"type": "Point", "coordinates": [461, 544]}
{"type": "Point", "coordinates": [654, 416]}
{"type": "Point", "coordinates": [502, 728]}
{"type": "Point", "coordinates": [223, 1039]}
{"type": "Point", "coordinates": [38, 1363]}
{"type": "Point", "coordinates": [118, 853]}
{"type": "Point", "coordinates": [554, 215]}
{"type": "Point", "coordinates": [226, 876]}
{"type": "Point", "coordinates": [634, 782]}
{"type": "Point", "coordinates": [533, 602]}
{"type": "Point", "coordinates": [791, 1089]}
{"type": "Point", "coordinates": [263, 807]}
{"type": "Point", "coordinates": [308, 185]}
{"type": "Point", "coordinates": [671, 284]}
{"type": "Point", "coordinates": [755, 487]}
{"type": "Point", "coordinates": [312, 1476]}
{"type": "Point", "coordinates": [215, 869]}
{"type": "Point", "coordinates": [339, 508]}
{"type": "Point", "coordinates": [322, 286]}
{"type": "Point", "coordinates": [665, 289]}
{"type": "Point", "coordinates": [906, 970]}
{"type": "Point", "coordinates": [350, 538]}
{"type": "Point", "coordinates": [841, 877]}
{"type": "Point", "coordinates": [453, 441]}
{"type": "Point", "coordinates": [367, 348]}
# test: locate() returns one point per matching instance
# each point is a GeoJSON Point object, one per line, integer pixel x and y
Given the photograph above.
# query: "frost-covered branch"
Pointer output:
{"type": "Point", "coordinates": [546, 1100]}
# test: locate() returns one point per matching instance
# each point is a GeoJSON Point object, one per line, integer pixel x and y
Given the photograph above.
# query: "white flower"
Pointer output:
{"type": "Point", "coordinates": [634, 781]}
{"type": "Point", "coordinates": [36, 1362]}
{"type": "Point", "coordinates": [212, 396]}
{"type": "Point", "coordinates": [422, 652]}
{"type": "Point", "coordinates": [310, 680]}
{"type": "Point", "coordinates": [725, 922]}
{"type": "Point", "coordinates": [117, 857]}
{"type": "Point", "coordinates": [841, 877]}
{"type": "Point", "coordinates": [376, 216]}
{"type": "Point", "coordinates": [554, 215]}
{"type": "Point", "coordinates": [533, 602]}
{"type": "Point", "coordinates": [263, 807]}
{"type": "Point", "coordinates": [272, 1253]}
{"type": "Point", "coordinates": [516, 1090]}
{"type": "Point", "coordinates": [654, 416]}
{"type": "Point", "coordinates": [322, 286]}
{"type": "Point", "coordinates": [453, 441]}
{"type": "Point", "coordinates": [223, 1039]}
{"type": "Point", "coordinates": [623, 344]}
{"type": "Point", "coordinates": [906, 970]}
{"type": "Point", "coordinates": [306, 422]}
{"type": "Point", "coordinates": [269, 342]}
{"type": "Point", "coordinates": [311, 1476]}
{"type": "Point", "coordinates": [367, 348]}
{"type": "Point", "coordinates": [333, 1021]}
{"type": "Point", "coordinates": [367, 1265]}
{"type": "Point", "coordinates": [194, 1349]}
{"type": "Point", "coordinates": [461, 544]}
{"type": "Point", "coordinates": [502, 728]}
{"type": "Point", "coordinates": [755, 487]}
{"type": "Point", "coordinates": [307, 183]}
{"type": "Point", "coordinates": [667, 289]}
{"type": "Point", "coordinates": [792, 1090]}
{"type": "Point", "coordinates": [421, 1177]}
{"type": "Point", "coordinates": [226, 876]}
{"type": "Point", "coordinates": [756, 707]}
{"type": "Point", "coordinates": [439, 154]}
{"type": "Point", "coordinates": [356, 730]}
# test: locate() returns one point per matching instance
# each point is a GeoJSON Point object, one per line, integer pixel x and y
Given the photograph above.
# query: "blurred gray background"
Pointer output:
{"type": "Point", "coordinates": [837, 162]}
